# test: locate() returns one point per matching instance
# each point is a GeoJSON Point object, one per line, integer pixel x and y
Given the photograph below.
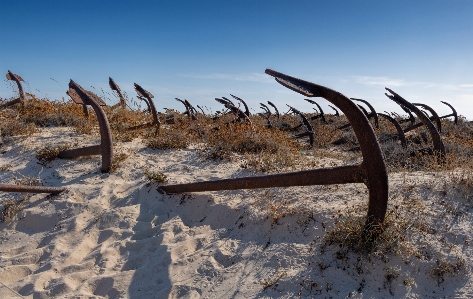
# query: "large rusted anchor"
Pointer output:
{"type": "Point", "coordinates": [21, 98]}
{"type": "Point", "coordinates": [321, 114]}
{"type": "Point", "coordinates": [275, 108]}
{"type": "Point", "coordinates": [371, 172]}
{"type": "Point", "coordinates": [114, 86]}
{"type": "Point", "coordinates": [309, 131]}
{"type": "Point", "coordinates": [190, 110]}
{"type": "Point", "coordinates": [335, 109]}
{"type": "Point", "coordinates": [400, 133]}
{"type": "Point", "coordinates": [438, 147]}
{"type": "Point", "coordinates": [241, 116]}
{"type": "Point", "coordinates": [247, 111]}
{"type": "Point", "coordinates": [267, 114]}
{"type": "Point", "coordinates": [435, 117]}
{"type": "Point", "coordinates": [454, 113]}
{"type": "Point", "coordinates": [146, 96]}
{"type": "Point", "coordinates": [105, 148]}
{"type": "Point", "coordinates": [371, 114]}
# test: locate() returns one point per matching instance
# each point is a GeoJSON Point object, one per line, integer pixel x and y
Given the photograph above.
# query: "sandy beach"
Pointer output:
{"type": "Point", "coordinates": [116, 236]}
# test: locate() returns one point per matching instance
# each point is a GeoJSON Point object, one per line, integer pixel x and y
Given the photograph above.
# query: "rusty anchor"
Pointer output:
{"type": "Point", "coordinates": [454, 113]}
{"type": "Point", "coordinates": [241, 116]}
{"type": "Point", "coordinates": [114, 86]}
{"type": "Point", "coordinates": [309, 131]}
{"type": "Point", "coordinates": [371, 114]}
{"type": "Point", "coordinates": [321, 112]}
{"type": "Point", "coordinates": [267, 114]}
{"type": "Point", "coordinates": [84, 97]}
{"type": "Point", "coordinates": [146, 96]}
{"type": "Point", "coordinates": [247, 111]}
{"type": "Point", "coordinates": [438, 148]}
{"type": "Point", "coordinates": [400, 133]}
{"type": "Point", "coordinates": [21, 98]}
{"type": "Point", "coordinates": [190, 110]}
{"type": "Point", "coordinates": [371, 172]}
{"type": "Point", "coordinates": [335, 109]}
{"type": "Point", "coordinates": [276, 109]}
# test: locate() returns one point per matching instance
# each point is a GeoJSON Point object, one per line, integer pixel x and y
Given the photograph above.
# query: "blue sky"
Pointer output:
{"type": "Point", "coordinates": [199, 50]}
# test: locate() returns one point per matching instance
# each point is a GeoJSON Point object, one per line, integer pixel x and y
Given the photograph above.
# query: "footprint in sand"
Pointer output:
{"type": "Point", "coordinates": [184, 292]}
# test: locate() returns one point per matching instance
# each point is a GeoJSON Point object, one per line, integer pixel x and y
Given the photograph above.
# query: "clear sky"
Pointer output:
{"type": "Point", "coordinates": [199, 50]}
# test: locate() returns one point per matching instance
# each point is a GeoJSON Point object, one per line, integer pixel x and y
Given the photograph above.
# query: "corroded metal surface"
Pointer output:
{"type": "Point", "coordinates": [21, 98]}
{"type": "Point", "coordinates": [114, 86]}
{"type": "Point", "coordinates": [411, 118]}
{"type": "Point", "coordinates": [275, 108]}
{"type": "Point", "coordinates": [321, 112]}
{"type": "Point", "coordinates": [241, 116]}
{"type": "Point", "coordinates": [31, 189]}
{"type": "Point", "coordinates": [335, 109]}
{"type": "Point", "coordinates": [306, 124]}
{"type": "Point", "coordinates": [147, 97]}
{"type": "Point", "coordinates": [371, 172]}
{"type": "Point", "coordinates": [400, 133]}
{"type": "Point", "coordinates": [437, 141]}
{"type": "Point", "coordinates": [372, 113]}
{"type": "Point", "coordinates": [247, 111]}
{"type": "Point", "coordinates": [76, 92]}
{"type": "Point", "coordinates": [434, 117]}
{"type": "Point", "coordinates": [454, 112]}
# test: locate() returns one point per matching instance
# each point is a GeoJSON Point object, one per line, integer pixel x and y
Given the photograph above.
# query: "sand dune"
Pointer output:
{"type": "Point", "coordinates": [116, 236]}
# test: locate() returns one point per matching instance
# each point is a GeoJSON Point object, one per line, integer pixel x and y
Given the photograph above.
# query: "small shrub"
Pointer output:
{"type": "Point", "coordinates": [48, 154]}
{"type": "Point", "coordinates": [14, 127]}
{"type": "Point", "coordinates": [169, 139]}
{"type": "Point", "coordinates": [11, 207]}
{"type": "Point", "coordinates": [157, 176]}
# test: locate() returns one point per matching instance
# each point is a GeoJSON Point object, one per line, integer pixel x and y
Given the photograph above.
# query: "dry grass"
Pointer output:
{"type": "Point", "coordinates": [156, 176]}
{"type": "Point", "coordinates": [11, 207]}
{"type": "Point", "coordinates": [49, 153]}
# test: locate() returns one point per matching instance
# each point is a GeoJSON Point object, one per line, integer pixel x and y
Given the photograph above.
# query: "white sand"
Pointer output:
{"type": "Point", "coordinates": [115, 236]}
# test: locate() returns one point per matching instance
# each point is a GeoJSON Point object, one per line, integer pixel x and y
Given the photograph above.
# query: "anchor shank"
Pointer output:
{"type": "Point", "coordinates": [323, 176]}
{"type": "Point", "coordinates": [30, 189]}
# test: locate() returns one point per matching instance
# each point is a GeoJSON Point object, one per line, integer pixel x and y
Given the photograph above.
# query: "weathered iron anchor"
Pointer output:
{"type": "Point", "coordinates": [21, 98]}
{"type": "Point", "coordinates": [371, 172]}
{"type": "Point", "coordinates": [105, 148]}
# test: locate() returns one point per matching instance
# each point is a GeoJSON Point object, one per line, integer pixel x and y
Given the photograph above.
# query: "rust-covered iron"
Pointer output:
{"type": "Point", "coordinates": [266, 109]}
{"type": "Point", "coordinates": [201, 109]}
{"type": "Point", "coordinates": [241, 116]}
{"type": "Point", "coordinates": [190, 110]}
{"type": "Point", "coordinates": [400, 133]}
{"type": "Point", "coordinates": [438, 146]}
{"type": "Point", "coordinates": [435, 117]}
{"type": "Point", "coordinates": [247, 111]}
{"type": "Point", "coordinates": [411, 118]}
{"type": "Point", "coordinates": [147, 97]}
{"type": "Point", "coordinates": [21, 98]}
{"type": "Point", "coordinates": [372, 113]}
{"type": "Point", "coordinates": [114, 86]}
{"type": "Point", "coordinates": [309, 131]}
{"type": "Point", "coordinates": [321, 112]}
{"type": "Point", "coordinates": [371, 172]}
{"type": "Point", "coordinates": [335, 109]}
{"type": "Point", "coordinates": [31, 189]}
{"type": "Point", "coordinates": [84, 97]}
{"type": "Point", "coordinates": [454, 112]}
{"type": "Point", "coordinates": [275, 108]}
